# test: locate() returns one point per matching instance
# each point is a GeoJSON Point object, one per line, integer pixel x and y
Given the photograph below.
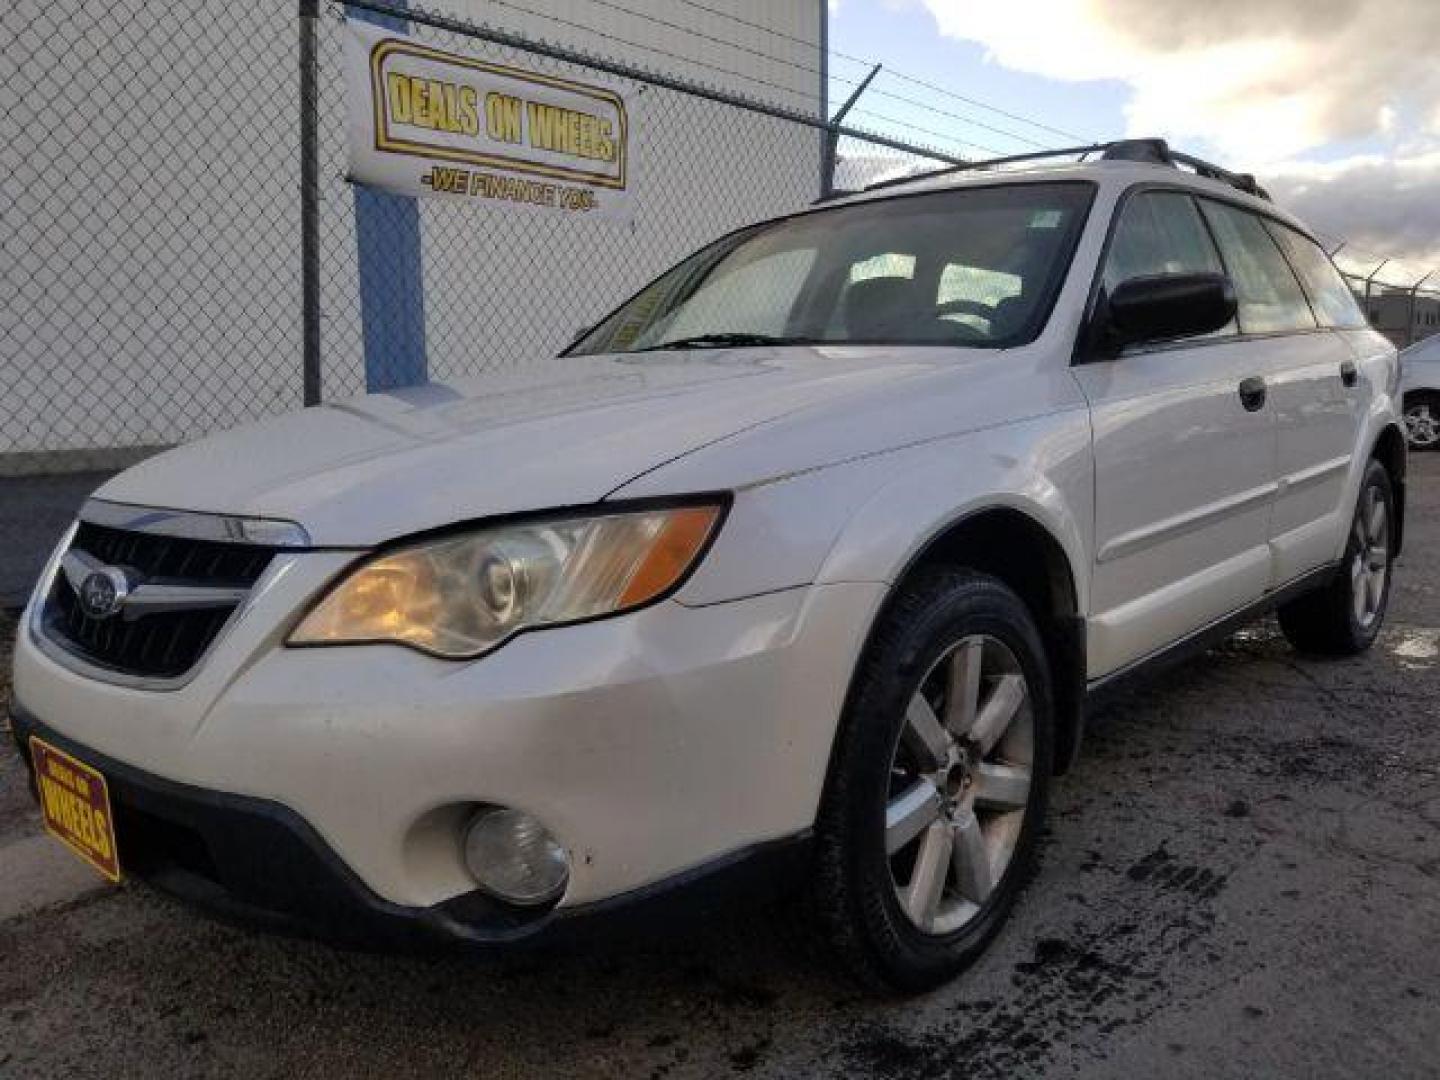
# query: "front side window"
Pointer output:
{"type": "Point", "coordinates": [969, 267]}
{"type": "Point", "coordinates": [1331, 298]}
{"type": "Point", "coordinates": [1270, 298]}
{"type": "Point", "coordinates": [1159, 232]}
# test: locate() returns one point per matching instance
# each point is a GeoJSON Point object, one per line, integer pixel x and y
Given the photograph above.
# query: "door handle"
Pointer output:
{"type": "Point", "coordinates": [1349, 375]}
{"type": "Point", "coordinates": [1252, 393]}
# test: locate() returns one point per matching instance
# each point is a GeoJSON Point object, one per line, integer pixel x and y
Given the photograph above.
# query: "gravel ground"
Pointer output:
{"type": "Point", "coordinates": [1242, 878]}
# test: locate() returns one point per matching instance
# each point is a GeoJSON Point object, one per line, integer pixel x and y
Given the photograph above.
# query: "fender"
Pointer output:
{"type": "Point", "coordinates": [1042, 468]}
{"type": "Point", "coordinates": [1051, 484]}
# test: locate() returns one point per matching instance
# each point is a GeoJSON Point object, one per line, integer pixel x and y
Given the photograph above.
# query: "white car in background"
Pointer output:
{"type": "Point", "coordinates": [1420, 384]}
{"type": "Point", "coordinates": [799, 568]}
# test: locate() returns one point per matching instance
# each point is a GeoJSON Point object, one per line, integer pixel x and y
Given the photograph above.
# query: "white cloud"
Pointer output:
{"type": "Point", "coordinates": [1262, 80]}
{"type": "Point", "coordinates": [1380, 206]}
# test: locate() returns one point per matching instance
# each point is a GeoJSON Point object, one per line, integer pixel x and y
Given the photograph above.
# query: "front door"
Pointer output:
{"type": "Point", "coordinates": [1185, 451]}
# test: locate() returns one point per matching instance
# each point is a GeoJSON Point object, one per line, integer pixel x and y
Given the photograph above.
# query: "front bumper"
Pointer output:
{"type": "Point", "coordinates": [655, 746]}
{"type": "Point", "coordinates": [259, 863]}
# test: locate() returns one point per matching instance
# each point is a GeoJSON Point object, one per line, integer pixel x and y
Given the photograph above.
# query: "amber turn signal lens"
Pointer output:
{"type": "Point", "coordinates": [677, 546]}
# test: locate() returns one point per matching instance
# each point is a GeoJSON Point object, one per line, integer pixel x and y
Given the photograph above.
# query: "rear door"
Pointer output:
{"type": "Point", "coordinates": [1184, 457]}
{"type": "Point", "coordinates": [1321, 398]}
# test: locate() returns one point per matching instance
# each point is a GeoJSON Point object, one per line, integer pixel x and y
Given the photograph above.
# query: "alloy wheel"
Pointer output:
{"type": "Point", "coordinates": [959, 784]}
{"type": "Point", "coordinates": [1422, 427]}
{"type": "Point", "coordinates": [1371, 562]}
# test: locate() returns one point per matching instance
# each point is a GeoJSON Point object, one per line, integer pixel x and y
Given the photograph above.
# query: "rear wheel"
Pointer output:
{"type": "Point", "coordinates": [1345, 616]}
{"type": "Point", "coordinates": [1422, 420]}
{"type": "Point", "coordinates": [938, 784]}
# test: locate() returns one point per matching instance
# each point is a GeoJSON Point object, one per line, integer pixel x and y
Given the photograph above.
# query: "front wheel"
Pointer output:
{"type": "Point", "coordinates": [938, 783]}
{"type": "Point", "coordinates": [1344, 617]}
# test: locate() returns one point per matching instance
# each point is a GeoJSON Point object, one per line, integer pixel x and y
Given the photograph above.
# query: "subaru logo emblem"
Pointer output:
{"type": "Point", "coordinates": [103, 592]}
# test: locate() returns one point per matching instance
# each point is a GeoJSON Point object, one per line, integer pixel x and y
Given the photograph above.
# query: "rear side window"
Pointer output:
{"type": "Point", "coordinates": [1160, 232]}
{"type": "Point", "coordinates": [1331, 298]}
{"type": "Point", "coordinates": [1270, 298]}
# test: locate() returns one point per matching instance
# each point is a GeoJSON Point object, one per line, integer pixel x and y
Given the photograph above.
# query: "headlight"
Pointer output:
{"type": "Point", "coordinates": [461, 595]}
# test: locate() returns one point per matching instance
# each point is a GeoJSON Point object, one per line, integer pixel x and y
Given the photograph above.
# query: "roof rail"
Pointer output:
{"type": "Point", "coordinates": [983, 163]}
{"type": "Point", "coordinates": [1243, 181]}
{"type": "Point", "coordinates": [1151, 151]}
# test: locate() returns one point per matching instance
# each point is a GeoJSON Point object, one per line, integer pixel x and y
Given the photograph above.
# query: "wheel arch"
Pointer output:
{"type": "Point", "coordinates": [1389, 449]}
{"type": "Point", "coordinates": [1015, 547]}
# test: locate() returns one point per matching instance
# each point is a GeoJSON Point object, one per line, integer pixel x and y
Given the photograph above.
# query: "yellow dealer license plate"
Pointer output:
{"type": "Point", "coordinates": [75, 804]}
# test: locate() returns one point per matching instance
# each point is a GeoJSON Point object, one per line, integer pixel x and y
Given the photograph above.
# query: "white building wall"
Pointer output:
{"type": "Point", "coordinates": [149, 215]}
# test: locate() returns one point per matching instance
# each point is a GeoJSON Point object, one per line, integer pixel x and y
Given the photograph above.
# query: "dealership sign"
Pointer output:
{"type": "Point", "coordinates": [427, 122]}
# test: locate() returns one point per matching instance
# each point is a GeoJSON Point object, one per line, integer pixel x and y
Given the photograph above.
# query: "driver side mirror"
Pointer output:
{"type": "Point", "coordinates": [1162, 307]}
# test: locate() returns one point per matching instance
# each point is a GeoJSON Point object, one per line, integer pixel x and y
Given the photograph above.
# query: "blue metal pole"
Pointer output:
{"type": "Point", "coordinates": [392, 290]}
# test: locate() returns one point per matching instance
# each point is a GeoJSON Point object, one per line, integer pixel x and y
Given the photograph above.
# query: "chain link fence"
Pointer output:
{"type": "Point", "coordinates": [156, 279]}
{"type": "Point", "coordinates": [181, 250]}
{"type": "Point", "coordinates": [491, 301]}
{"type": "Point", "coordinates": [147, 226]}
{"type": "Point", "coordinates": [1406, 313]}
{"type": "Point", "coordinates": [153, 253]}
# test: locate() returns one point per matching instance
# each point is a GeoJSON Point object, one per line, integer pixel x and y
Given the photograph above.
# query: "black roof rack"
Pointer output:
{"type": "Point", "coordinates": [1157, 152]}
{"type": "Point", "coordinates": [1152, 151]}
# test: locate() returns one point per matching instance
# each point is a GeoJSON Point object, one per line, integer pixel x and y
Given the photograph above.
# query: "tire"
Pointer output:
{"type": "Point", "coordinates": [872, 901]}
{"type": "Point", "coordinates": [1343, 617]}
{"type": "Point", "coordinates": [1422, 421]}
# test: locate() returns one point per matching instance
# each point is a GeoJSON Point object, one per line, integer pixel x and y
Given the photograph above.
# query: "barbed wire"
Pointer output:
{"type": "Point", "coordinates": [909, 127]}
{"type": "Point", "coordinates": [869, 63]}
{"type": "Point", "coordinates": [905, 127]}
{"type": "Point", "coordinates": [819, 73]}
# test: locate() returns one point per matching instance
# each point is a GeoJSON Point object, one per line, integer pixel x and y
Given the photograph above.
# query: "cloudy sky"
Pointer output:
{"type": "Point", "coordinates": [1334, 104]}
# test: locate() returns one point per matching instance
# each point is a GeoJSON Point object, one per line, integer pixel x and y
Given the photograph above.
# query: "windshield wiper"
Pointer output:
{"type": "Point", "coordinates": [723, 341]}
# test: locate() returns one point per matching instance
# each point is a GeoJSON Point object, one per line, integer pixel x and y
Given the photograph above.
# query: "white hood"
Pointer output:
{"type": "Point", "coordinates": [559, 432]}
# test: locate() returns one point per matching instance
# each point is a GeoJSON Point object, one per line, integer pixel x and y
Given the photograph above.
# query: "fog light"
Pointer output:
{"type": "Point", "coordinates": [513, 857]}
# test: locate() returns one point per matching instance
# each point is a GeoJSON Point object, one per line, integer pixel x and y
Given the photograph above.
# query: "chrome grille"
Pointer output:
{"type": "Point", "coordinates": [161, 640]}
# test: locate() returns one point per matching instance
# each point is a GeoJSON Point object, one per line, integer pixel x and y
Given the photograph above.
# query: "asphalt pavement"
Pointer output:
{"type": "Point", "coordinates": [1241, 878]}
{"type": "Point", "coordinates": [34, 513]}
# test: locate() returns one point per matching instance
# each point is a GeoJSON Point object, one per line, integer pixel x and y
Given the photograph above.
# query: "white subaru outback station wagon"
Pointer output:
{"type": "Point", "coordinates": [798, 570]}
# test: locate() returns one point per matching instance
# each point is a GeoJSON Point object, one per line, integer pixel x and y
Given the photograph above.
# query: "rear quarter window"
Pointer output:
{"type": "Point", "coordinates": [1330, 296]}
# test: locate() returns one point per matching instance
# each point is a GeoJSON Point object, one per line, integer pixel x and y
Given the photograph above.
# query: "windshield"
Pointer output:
{"type": "Point", "coordinates": [969, 266]}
